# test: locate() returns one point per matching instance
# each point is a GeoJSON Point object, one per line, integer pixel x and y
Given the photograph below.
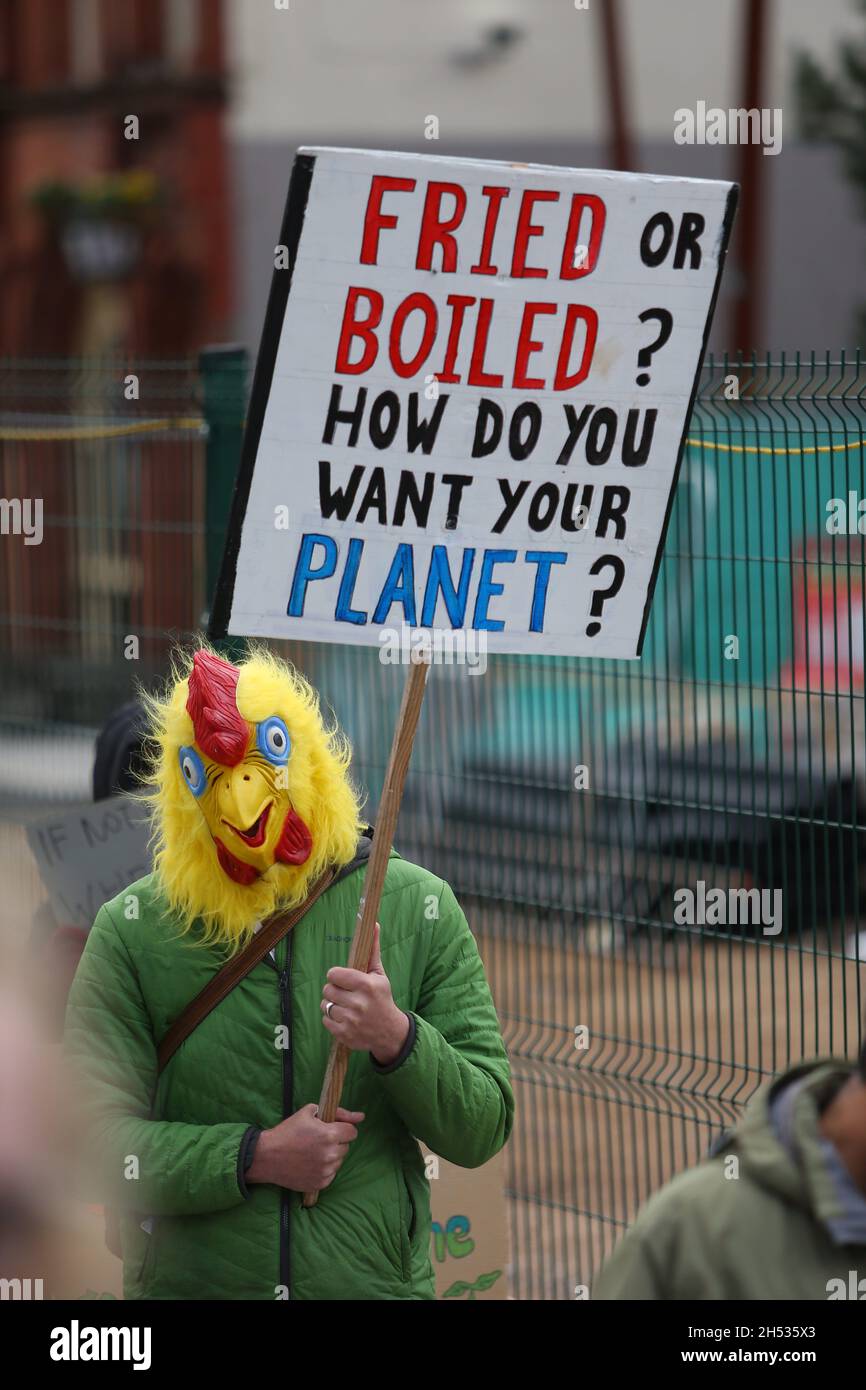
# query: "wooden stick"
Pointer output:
{"type": "Point", "coordinates": [374, 880]}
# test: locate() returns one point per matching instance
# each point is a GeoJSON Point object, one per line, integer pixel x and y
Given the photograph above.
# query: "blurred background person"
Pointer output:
{"type": "Point", "coordinates": [777, 1212]}
{"type": "Point", "coordinates": [51, 1246]}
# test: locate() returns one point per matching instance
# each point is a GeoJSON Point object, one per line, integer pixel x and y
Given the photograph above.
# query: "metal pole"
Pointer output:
{"type": "Point", "coordinates": [622, 153]}
{"type": "Point", "coordinates": [747, 306]}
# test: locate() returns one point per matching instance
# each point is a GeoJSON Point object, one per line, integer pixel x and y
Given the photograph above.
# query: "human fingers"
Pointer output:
{"type": "Point", "coordinates": [332, 994]}
{"type": "Point", "coordinates": [341, 1133]}
{"type": "Point", "coordinates": [344, 978]}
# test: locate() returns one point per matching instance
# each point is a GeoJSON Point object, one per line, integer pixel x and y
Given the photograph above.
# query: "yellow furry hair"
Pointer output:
{"type": "Point", "coordinates": [319, 788]}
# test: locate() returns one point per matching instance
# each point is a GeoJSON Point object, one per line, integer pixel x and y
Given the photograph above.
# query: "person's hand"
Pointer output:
{"type": "Point", "coordinates": [303, 1153]}
{"type": "Point", "coordinates": [364, 1016]}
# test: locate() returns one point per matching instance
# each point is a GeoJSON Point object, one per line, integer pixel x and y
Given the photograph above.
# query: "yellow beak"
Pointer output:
{"type": "Point", "coordinates": [243, 796]}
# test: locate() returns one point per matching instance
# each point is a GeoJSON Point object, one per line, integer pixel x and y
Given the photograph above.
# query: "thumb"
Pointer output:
{"type": "Point", "coordinates": [375, 966]}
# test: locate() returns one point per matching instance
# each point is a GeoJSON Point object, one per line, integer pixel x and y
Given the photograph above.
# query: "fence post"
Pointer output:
{"type": "Point", "coordinates": [224, 377]}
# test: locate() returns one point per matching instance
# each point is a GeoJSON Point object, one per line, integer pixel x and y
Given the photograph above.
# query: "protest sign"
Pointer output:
{"type": "Point", "coordinates": [470, 402]}
{"type": "Point", "coordinates": [87, 854]}
{"type": "Point", "coordinates": [469, 1231]}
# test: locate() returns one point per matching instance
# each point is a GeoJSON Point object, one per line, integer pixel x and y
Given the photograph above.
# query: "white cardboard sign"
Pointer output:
{"type": "Point", "coordinates": [470, 401]}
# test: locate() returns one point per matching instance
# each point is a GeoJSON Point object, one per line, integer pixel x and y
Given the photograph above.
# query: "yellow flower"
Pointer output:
{"type": "Point", "coordinates": [139, 186]}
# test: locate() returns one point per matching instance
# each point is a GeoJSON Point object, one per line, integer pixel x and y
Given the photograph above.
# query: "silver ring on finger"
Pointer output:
{"type": "Point", "coordinates": [328, 1007]}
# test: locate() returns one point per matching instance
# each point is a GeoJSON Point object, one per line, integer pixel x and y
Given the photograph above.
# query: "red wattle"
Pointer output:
{"type": "Point", "coordinates": [295, 844]}
{"type": "Point", "coordinates": [237, 870]}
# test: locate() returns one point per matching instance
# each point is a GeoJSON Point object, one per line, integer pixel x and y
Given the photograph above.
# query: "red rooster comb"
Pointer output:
{"type": "Point", "coordinates": [220, 730]}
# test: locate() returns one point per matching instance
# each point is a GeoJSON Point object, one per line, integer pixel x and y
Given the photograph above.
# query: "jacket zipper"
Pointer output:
{"type": "Point", "coordinates": [286, 1020]}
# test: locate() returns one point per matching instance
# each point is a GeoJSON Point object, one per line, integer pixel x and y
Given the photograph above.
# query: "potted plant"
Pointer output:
{"type": "Point", "coordinates": [99, 222]}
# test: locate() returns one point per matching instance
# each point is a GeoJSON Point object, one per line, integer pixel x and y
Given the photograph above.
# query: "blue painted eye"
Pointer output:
{"type": "Point", "coordinates": [272, 739]}
{"type": "Point", "coordinates": [192, 768]}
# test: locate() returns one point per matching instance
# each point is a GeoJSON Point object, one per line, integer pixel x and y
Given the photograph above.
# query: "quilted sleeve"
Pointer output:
{"type": "Point", "coordinates": [453, 1090]}
{"type": "Point", "coordinates": [160, 1167]}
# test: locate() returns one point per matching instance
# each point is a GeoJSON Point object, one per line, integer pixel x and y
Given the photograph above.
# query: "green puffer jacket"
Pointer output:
{"type": "Point", "coordinates": [211, 1237]}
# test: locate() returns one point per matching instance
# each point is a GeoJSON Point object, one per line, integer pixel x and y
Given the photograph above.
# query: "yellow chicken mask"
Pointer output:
{"type": "Point", "coordinates": [251, 798]}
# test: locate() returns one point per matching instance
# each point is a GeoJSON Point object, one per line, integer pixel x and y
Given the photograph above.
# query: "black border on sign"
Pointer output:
{"type": "Point", "coordinates": [281, 284]}
{"type": "Point", "coordinates": [727, 223]}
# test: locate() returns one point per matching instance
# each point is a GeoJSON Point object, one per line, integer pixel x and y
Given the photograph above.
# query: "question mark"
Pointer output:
{"type": "Point", "coordinates": [600, 596]}
{"type": "Point", "coordinates": [666, 322]}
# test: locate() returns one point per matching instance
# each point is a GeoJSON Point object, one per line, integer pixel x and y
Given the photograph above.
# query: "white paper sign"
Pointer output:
{"type": "Point", "coordinates": [86, 854]}
{"type": "Point", "coordinates": [470, 401]}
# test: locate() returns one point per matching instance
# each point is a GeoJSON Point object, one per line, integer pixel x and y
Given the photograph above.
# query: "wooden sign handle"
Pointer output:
{"type": "Point", "coordinates": [374, 880]}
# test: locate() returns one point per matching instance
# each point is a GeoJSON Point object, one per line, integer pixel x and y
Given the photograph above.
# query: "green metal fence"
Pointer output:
{"type": "Point", "coordinates": [571, 803]}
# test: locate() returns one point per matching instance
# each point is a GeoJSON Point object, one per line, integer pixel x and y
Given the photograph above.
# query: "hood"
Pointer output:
{"type": "Point", "coordinates": [780, 1146]}
{"type": "Point", "coordinates": [362, 853]}
{"type": "Point", "coordinates": [121, 747]}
